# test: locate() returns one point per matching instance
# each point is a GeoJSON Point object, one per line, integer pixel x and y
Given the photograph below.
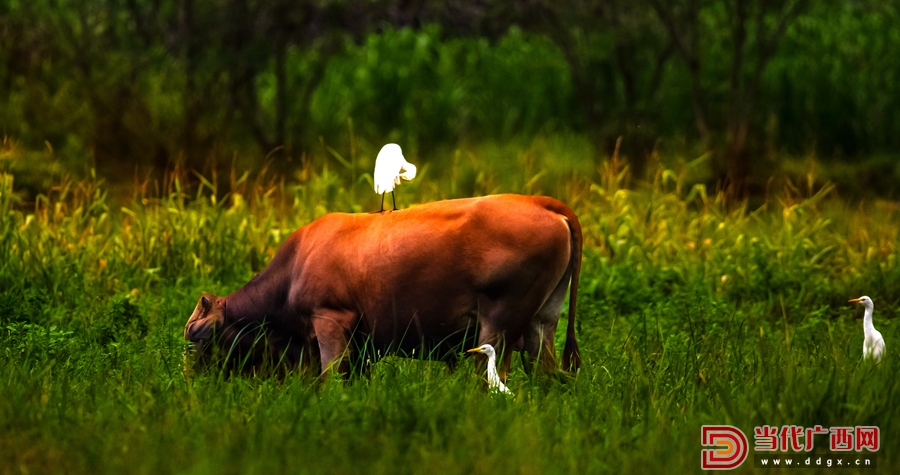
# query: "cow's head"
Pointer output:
{"type": "Point", "coordinates": [204, 327]}
{"type": "Point", "coordinates": [240, 344]}
{"type": "Point", "coordinates": [208, 317]}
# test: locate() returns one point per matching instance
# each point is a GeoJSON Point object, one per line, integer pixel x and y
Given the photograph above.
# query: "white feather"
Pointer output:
{"type": "Point", "coordinates": [390, 168]}
{"type": "Point", "coordinates": [493, 378]}
{"type": "Point", "coordinates": [873, 344]}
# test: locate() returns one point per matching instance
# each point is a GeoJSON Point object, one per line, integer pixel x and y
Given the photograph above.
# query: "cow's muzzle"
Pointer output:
{"type": "Point", "coordinates": [198, 331]}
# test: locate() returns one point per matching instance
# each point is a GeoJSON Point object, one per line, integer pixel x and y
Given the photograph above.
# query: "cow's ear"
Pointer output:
{"type": "Point", "coordinates": [206, 302]}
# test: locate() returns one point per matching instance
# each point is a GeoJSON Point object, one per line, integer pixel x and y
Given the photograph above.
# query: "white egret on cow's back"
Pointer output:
{"type": "Point", "coordinates": [493, 378]}
{"type": "Point", "coordinates": [390, 168]}
{"type": "Point", "coordinates": [873, 345]}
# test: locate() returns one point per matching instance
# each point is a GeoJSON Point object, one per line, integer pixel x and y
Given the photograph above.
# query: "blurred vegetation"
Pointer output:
{"type": "Point", "coordinates": [692, 310]}
{"type": "Point", "coordinates": [142, 85]}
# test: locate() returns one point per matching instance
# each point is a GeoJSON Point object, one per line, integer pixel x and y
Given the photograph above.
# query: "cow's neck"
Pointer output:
{"type": "Point", "coordinates": [262, 299]}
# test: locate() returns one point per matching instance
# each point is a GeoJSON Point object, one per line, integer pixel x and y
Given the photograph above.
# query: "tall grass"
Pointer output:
{"type": "Point", "coordinates": [692, 311]}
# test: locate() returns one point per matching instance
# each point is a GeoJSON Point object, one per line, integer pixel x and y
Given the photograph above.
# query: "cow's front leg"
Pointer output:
{"type": "Point", "coordinates": [332, 331]}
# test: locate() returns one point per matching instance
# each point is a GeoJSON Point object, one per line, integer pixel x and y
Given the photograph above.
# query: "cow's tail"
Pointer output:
{"type": "Point", "coordinates": [571, 358]}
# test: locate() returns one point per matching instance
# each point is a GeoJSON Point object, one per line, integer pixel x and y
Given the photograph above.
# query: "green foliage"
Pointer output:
{"type": "Point", "coordinates": [692, 311]}
{"type": "Point", "coordinates": [150, 83]}
{"type": "Point", "coordinates": [411, 86]}
{"type": "Point", "coordinates": [23, 306]}
{"type": "Point", "coordinates": [120, 321]}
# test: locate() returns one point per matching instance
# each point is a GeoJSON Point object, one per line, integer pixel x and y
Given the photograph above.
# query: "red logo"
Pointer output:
{"type": "Point", "coordinates": [730, 447]}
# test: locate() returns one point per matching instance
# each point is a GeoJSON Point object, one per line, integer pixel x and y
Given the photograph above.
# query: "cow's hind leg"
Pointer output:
{"type": "Point", "coordinates": [539, 348]}
{"type": "Point", "coordinates": [541, 333]}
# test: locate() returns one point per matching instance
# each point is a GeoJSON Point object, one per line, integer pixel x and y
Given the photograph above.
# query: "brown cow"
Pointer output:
{"type": "Point", "coordinates": [428, 278]}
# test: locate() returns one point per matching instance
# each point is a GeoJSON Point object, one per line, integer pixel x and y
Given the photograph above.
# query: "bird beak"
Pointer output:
{"type": "Point", "coordinates": [853, 300]}
{"type": "Point", "coordinates": [474, 350]}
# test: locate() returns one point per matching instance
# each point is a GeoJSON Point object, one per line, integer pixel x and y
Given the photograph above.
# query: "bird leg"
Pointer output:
{"type": "Point", "coordinates": [382, 204]}
{"type": "Point", "coordinates": [394, 199]}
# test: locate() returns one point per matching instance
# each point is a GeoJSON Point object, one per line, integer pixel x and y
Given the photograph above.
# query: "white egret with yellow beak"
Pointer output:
{"type": "Point", "coordinates": [873, 345]}
{"type": "Point", "coordinates": [493, 378]}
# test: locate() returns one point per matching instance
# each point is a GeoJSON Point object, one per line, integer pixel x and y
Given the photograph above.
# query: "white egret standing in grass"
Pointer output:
{"type": "Point", "coordinates": [493, 378]}
{"type": "Point", "coordinates": [873, 345]}
{"type": "Point", "coordinates": [390, 168]}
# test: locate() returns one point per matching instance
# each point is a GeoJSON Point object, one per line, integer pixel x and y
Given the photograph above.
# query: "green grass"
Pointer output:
{"type": "Point", "coordinates": [692, 311]}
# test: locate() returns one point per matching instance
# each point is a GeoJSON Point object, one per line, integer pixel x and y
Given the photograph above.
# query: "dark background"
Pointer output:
{"type": "Point", "coordinates": [142, 85]}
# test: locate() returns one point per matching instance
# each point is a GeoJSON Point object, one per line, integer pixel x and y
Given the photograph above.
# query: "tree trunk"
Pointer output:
{"type": "Point", "coordinates": [587, 103]}
{"type": "Point", "coordinates": [191, 112]}
{"type": "Point", "coordinates": [281, 96]}
{"type": "Point", "coordinates": [737, 179]}
{"type": "Point", "coordinates": [737, 170]}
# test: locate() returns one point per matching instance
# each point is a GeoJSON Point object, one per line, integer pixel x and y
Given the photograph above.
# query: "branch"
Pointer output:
{"type": "Point", "coordinates": [665, 16]}
{"type": "Point", "coordinates": [658, 70]}
{"type": "Point", "coordinates": [737, 64]}
{"type": "Point", "coordinates": [767, 48]}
